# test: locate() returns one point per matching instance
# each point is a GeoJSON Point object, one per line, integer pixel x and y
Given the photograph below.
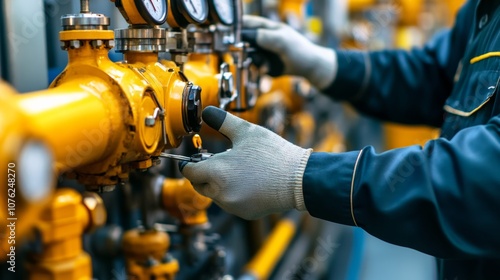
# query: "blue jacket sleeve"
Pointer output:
{"type": "Point", "coordinates": [404, 86]}
{"type": "Point", "coordinates": [442, 199]}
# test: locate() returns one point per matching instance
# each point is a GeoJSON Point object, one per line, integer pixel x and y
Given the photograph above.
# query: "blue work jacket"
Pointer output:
{"type": "Point", "coordinates": [442, 199]}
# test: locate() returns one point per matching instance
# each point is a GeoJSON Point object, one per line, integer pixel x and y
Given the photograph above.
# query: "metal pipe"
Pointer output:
{"type": "Point", "coordinates": [238, 14]}
{"type": "Point", "coordinates": [84, 6]}
{"type": "Point", "coordinates": [76, 120]}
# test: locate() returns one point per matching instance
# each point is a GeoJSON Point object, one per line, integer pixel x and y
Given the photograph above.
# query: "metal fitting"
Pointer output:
{"type": "Point", "coordinates": [140, 39]}
{"type": "Point", "coordinates": [150, 121]}
{"type": "Point", "coordinates": [179, 58]}
{"type": "Point", "coordinates": [85, 21]}
{"type": "Point", "coordinates": [97, 211]}
{"type": "Point", "coordinates": [226, 86]}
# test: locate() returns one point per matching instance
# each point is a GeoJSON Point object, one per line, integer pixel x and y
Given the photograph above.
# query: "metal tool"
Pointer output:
{"type": "Point", "coordinates": [200, 156]}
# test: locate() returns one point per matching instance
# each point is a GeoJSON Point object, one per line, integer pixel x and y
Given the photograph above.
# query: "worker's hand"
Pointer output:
{"type": "Point", "coordinates": [295, 54]}
{"type": "Point", "coordinates": [261, 174]}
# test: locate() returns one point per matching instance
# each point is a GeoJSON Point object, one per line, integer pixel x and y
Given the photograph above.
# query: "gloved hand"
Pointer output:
{"type": "Point", "coordinates": [261, 174]}
{"type": "Point", "coordinates": [298, 55]}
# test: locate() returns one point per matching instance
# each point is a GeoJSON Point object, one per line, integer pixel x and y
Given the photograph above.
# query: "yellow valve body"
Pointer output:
{"type": "Point", "coordinates": [61, 226]}
{"type": "Point", "coordinates": [94, 115]}
{"type": "Point", "coordinates": [141, 247]}
{"type": "Point", "coordinates": [183, 202]}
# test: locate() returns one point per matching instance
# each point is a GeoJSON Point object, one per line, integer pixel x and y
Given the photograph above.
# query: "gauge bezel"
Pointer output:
{"type": "Point", "coordinates": [214, 14]}
{"type": "Point", "coordinates": [183, 17]}
{"type": "Point", "coordinates": [143, 11]}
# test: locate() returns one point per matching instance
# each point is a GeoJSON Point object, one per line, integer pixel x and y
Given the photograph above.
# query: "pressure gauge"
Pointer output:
{"type": "Point", "coordinates": [152, 12]}
{"type": "Point", "coordinates": [222, 11]}
{"type": "Point", "coordinates": [185, 12]}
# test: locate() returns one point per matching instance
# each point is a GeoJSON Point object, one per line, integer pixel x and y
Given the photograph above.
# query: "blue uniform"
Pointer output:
{"type": "Point", "coordinates": [442, 199]}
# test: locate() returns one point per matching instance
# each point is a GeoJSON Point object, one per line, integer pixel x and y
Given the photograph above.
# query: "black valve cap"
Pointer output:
{"type": "Point", "coordinates": [194, 108]}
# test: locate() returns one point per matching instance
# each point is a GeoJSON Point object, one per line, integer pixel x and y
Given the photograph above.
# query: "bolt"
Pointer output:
{"type": "Point", "coordinates": [74, 44]}
{"type": "Point", "coordinates": [150, 121]}
{"type": "Point", "coordinates": [111, 43]}
{"type": "Point", "coordinates": [97, 43]}
{"type": "Point", "coordinates": [63, 45]}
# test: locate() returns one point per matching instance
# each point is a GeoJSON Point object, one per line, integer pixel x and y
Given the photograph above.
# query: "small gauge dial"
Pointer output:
{"type": "Point", "coordinates": [222, 11]}
{"type": "Point", "coordinates": [153, 11]}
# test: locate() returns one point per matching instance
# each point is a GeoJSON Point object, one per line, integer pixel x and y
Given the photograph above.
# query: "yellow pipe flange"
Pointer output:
{"type": "Point", "coordinates": [86, 35]}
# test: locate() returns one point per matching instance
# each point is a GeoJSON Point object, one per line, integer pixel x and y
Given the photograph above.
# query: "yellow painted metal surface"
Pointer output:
{"type": "Point", "coordinates": [291, 7]}
{"type": "Point", "coordinates": [202, 69]}
{"type": "Point", "coordinates": [15, 133]}
{"type": "Point", "coordinates": [93, 116]}
{"type": "Point", "coordinates": [61, 226]}
{"type": "Point", "coordinates": [358, 5]}
{"type": "Point", "coordinates": [145, 255]}
{"type": "Point", "coordinates": [183, 202]}
{"type": "Point", "coordinates": [263, 263]}
{"type": "Point", "coordinates": [410, 11]}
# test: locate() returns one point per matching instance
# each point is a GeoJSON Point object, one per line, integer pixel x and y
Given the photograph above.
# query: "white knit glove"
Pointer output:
{"type": "Point", "coordinates": [300, 57]}
{"type": "Point", "coordinates": [260, 175]}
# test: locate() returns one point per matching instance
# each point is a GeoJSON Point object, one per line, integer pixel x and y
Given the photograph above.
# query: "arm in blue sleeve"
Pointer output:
{"type": "Point", "coordinates": [404, 86]}
{"type": "Point", "coordinates": [443, 199]}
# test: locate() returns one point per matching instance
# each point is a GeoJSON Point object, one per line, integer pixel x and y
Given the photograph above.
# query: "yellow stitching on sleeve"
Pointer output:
{"type": "Point", "coordinates": [484, 56]}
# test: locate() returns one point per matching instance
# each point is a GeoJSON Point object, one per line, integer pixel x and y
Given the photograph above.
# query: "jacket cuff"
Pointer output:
{"type": "Point", "coordinates": [352, 77]}
{"type": "Point", "coordinates": [328, 184]}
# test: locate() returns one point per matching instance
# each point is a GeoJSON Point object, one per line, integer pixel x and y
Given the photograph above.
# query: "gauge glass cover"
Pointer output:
{"type": "Point", "coordinates": [153, 11]}
{"type": "Point", "coordinates": [196, 9]}
{"type": "Point", "coordinates": [224, 11]}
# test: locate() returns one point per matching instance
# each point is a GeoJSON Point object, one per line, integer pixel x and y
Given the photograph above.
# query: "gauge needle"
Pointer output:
{"type": "Point", "coordinates": [152, 4]}
{"type": "Point", "coordinates": [192, 5]}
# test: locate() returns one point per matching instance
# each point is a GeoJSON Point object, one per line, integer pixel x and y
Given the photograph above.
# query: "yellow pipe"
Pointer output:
{"type": "Point", "coordinates": [74, 119]}
{"type": "Point", "coordinates": [263, 263]}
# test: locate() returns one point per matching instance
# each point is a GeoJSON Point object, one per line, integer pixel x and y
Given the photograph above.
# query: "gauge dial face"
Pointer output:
{"type": "Point", "coordinates": [196, 11]}
{"type": "Point", "coordinates": [153, 11]}
{"type": "Point", "coordinates": [222, 11]}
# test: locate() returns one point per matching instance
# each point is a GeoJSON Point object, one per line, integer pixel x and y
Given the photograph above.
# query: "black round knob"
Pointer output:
{"type": "Point", "coordinates": [193, 109]}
